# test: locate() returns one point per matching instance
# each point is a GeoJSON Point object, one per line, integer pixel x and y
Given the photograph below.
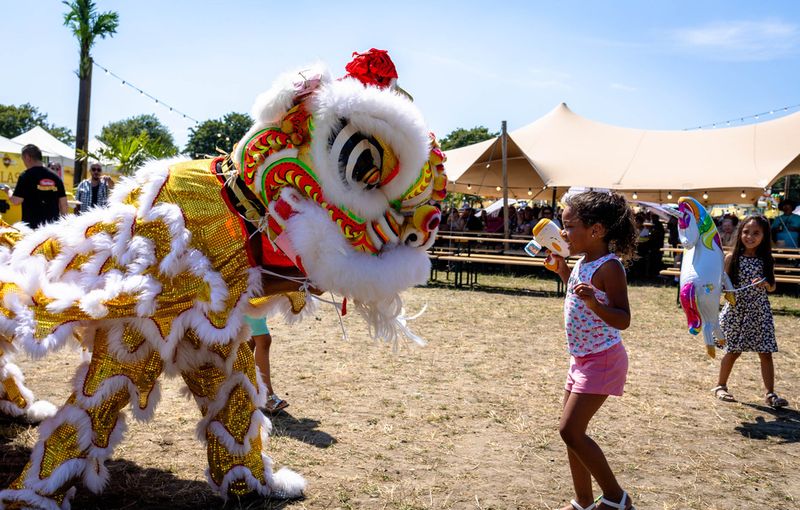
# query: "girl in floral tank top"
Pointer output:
{"type": "Point", "coordinates": [586, 332]}
{"type": "Point", "coordinates": [600, 227]}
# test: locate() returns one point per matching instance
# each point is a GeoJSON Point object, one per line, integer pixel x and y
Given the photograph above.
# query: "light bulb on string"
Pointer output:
{"type": "Point", "coordinates": [635, 196]}
{"type": "Point", "coordinates": [743, 194]}
{"type": "Point", "coordinates": [488, 165]}
{"type": "Point", "coordinates": [530, 192]}
{"type": "Point", "coordinates": [705, 195]}
{"type": "Point", "coordinates": [669, 195]}
{"type": "Point", "coordinates": [469, 186]}
{"type": "Point", "coordinates": [498, 188]}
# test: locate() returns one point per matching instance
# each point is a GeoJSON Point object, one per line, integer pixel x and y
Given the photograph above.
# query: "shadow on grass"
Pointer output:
{"type": "Point", "coordinates": [785, 426]}
{"type": "Point", "coordinates": [788, 312]}
{"type": "Point", "coordinates": [303, 429]}
{"type": "Point", "coordinates": [131, 486]}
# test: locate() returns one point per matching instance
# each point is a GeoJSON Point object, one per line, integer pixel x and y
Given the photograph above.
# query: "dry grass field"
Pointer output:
{"type": "Point", "coordinates": [470, 421]}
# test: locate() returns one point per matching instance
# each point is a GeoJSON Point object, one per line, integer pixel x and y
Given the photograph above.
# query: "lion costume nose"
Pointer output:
{"type": "Point", "coordinates": [427, 218]}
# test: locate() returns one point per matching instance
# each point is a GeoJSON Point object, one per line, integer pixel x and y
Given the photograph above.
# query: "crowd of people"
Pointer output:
{"type": "Point", "coordinates": [655, 230]}
{"type": "Point", "coordinates": [521, 219]}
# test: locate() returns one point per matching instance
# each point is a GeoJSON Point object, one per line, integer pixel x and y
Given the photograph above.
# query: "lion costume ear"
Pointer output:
{"type": "Point", "coordinates": [286, 91]}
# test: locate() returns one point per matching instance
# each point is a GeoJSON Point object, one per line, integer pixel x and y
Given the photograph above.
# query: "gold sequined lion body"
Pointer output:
{"type": "Point", "coordinates": [329, 190]}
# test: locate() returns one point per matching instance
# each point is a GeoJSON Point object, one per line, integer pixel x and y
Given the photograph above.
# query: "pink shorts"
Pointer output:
{"type": "Point", "coordinates": [601, 373]}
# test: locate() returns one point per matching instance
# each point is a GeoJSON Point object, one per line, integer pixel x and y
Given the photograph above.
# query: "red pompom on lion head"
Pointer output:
{"type": "Point", "coordinates": [374, 67]}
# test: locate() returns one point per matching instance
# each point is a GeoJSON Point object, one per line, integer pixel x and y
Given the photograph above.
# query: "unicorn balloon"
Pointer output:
{"type": "Point", "coordinates": [702, 271]}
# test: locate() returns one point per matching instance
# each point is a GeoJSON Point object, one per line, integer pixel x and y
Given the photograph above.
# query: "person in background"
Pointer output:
{"type": "Point", "coordinates": [55, 167]}
{"type": "Point", "coordinates": [547, 212]}
{"type": "Point", "coordinates": [260, 342]}
{"type": "Point", "coordinates": [458, 219]}
{"type": "Point", "coordinates": [94, 191]}
{"type": "Point", "coordinates": [39, 191]}
{"type": "Point", "coordinates": [474, 222]}
{"type": "Point", "coordinates": [786, 227]}
{"type": "Point", "coordinates": [727, 232]}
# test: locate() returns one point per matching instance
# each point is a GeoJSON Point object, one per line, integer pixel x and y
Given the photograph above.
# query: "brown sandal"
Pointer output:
{"type": "Point", "coordinates": [776, 402]}
{"type": "Point", "coordinates": [721, 392]}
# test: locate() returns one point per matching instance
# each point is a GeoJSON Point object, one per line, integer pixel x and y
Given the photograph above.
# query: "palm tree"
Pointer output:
{"type": "Point", "coordinates": [86, 24]}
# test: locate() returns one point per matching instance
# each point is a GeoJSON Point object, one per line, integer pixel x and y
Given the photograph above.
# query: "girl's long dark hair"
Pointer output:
{"type": "Point", "coordinates": [763, 251]}
{"type": "Point", "coordinates": [613, 212]}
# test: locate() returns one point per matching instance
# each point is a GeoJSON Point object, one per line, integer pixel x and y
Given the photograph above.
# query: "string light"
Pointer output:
{"type": "Point", "coordinates": [469, 186]}
{"type": "Point", "coordinates": [705, 195]}
{"type": "Point", "coordinates": [498, 188]}
{"type": "Point", "coordinates": [743, 194]}
{"type": "Point", "coordinates": [634, 196]}
{"type": "Point", "coordinates": [530, 192]}
{"type": "Point", "coordinates": [669, 195]}
{"type": "Point", "coordinates": [126, 83]}
{"type": "Point", "coordinates": [755, 116]}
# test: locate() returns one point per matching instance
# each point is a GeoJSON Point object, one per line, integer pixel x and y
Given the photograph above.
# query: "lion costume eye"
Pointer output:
{"type": "Point", "coordinates": [359, 156]}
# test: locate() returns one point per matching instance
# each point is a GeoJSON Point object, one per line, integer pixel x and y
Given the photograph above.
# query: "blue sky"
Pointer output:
{"type": "Point", "coordinates": [657, 65]}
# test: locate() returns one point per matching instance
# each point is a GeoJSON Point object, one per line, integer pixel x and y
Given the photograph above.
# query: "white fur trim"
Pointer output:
{"type": "Point", "coordinates": [40, 410]}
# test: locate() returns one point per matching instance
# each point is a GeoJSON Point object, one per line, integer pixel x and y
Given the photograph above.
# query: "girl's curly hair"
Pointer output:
{"type": "Point", "coordinates": [613, 212]}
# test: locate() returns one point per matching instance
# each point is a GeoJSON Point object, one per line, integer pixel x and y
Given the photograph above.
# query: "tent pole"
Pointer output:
{"type": "Point", "coordinates": [505, 181]}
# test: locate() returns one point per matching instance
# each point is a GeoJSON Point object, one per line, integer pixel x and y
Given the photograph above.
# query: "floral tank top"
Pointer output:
{"type": "Point", "coordinates": [586, 332]}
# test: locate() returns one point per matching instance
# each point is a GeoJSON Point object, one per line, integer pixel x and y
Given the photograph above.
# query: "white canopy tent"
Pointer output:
{"type": "Point", "coordinates": [56, 150]}
{"type": "Point", "coordinates": [563, 149]}
{"type": "Point", "coordinates": [9, 145]}
{"type": "Point", "coordinates": [39, 137]}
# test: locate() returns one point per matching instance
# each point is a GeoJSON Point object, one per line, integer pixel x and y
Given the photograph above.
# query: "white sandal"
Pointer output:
{"type": "Point", "coordinates": [620, 505]}
{"type": "Point", "coordinates": [576, 506]}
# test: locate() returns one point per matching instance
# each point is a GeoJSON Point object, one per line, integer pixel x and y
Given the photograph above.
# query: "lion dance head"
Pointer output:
{"type": "Point", "coordinates": [348, 179]}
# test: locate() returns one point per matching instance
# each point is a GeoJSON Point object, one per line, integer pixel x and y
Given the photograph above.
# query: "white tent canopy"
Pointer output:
{"type": "Point", "coordinates": [8, 145]}
{"type": "Point", "coordinates": [564, 149]}
{"type": "Point", "coordinates": [39, 137]}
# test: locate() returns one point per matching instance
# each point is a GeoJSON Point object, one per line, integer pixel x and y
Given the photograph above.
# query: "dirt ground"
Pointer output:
{"type": "Point", "coordinates": [470, 421]}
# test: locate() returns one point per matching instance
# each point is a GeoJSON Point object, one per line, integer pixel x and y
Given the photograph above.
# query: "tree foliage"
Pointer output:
{"type": "Point", "coordinates": [462, 137]}
{"type": "Point", "coordinates": [217, 133]}
{"type": "Point", "coordinates": [87, 25]}
{"type": "Point", "coordinates": [129, 152]}
{"type": "Point", "coordinates": [15, 120]}
{"type": "Point", "coordinates": [134, 126]}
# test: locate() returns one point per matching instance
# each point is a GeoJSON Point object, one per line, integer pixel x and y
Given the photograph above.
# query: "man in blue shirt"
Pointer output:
{"type": "Point", "coordinates": [786, 227]}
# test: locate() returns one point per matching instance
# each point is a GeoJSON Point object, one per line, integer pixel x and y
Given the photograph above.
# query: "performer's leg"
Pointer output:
{"type": "Point", "coordinates": [75, 443]}
{"type": "Point", "coordinates": [235, 431]}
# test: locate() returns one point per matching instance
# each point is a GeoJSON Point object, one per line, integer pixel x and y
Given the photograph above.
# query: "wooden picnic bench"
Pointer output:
{"type": "Point", "coordinates": [466, 254]}
{"type": "Point", "coordinates": [786, 270]}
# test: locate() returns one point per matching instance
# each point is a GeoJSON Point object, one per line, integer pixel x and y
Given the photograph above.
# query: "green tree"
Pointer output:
{"type": "Point", "coordinates": [462, 137]}
{"type": "Point", "coordinates": [129, 152]}
{"type": "Point", "coordinates": [217, 133]}
{"type": "Point", "coordinates": [15, 120]}
{"type": "Point", "coordinates": [86, 25]}
{"type": "Point", "coordinates": [134, 126]}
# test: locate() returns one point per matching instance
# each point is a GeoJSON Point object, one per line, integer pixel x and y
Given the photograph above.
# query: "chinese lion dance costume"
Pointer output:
{"type": "Point", "coordinates": [330, 190]}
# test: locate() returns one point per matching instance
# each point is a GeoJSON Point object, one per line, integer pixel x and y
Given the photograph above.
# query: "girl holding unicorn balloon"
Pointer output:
{"type": "Point", "coordinates": [748, 325]}
{"type": "Point", "coordinates": [600, 226]}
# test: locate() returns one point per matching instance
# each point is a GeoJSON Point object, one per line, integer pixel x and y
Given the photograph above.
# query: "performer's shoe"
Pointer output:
{"type": "Point", "coordinates": [274, 404]}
